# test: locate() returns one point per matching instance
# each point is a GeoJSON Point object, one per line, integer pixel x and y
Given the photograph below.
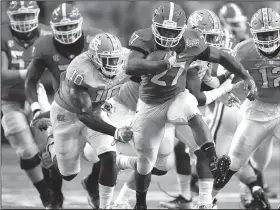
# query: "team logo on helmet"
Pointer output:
{"type": "Point", "coordinates": [195, 19]}
{"type": "Point", "coordinates": [94, 43]}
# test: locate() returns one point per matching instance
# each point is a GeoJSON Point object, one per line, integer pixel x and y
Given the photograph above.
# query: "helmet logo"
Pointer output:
{"type": "Point", "coordinates": [195, 19]}
{"type": "Point", "coordinates": [13, 4]}
{"type": "Point", "coordinates": [94, 43]}
{"type": "Point", "coordinates": [74, 13]}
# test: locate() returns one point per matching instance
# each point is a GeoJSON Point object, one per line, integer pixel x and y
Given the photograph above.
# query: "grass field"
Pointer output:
{"type": "Point", "coordinates": [19, 193]}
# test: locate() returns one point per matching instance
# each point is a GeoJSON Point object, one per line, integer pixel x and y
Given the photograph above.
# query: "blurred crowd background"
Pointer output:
{"type": "Point", "coordinates": [122, 18]}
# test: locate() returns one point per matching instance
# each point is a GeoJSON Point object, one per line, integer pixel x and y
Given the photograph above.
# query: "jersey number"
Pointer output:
{"type": "Point", "coordinates": [162, 79]}
{"type": "Point", "coordinates": [266, 72]}
{"type": "Point", "coordinates": [107, 94]}
{"type": "Point", "coordinates": [17, 61]}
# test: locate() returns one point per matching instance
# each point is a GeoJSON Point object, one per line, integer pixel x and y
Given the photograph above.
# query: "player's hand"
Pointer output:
{"type": "Point", "coordinates": [40, 121]}
{"type": "Point", "coordinates": [249, 84]}
{"type": "Point", "coordinates": [234, 101]}
{"type": "Point", "coordinates": [123, 135]}
{"type": "Point", "coordinates": [171, 58]}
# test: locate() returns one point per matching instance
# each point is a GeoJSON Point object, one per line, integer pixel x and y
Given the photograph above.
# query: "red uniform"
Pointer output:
{"type": "Point", "coordinates": [19, 53]}
{"type": "Point", "coordinates": [56, 57]}
{"type": "Point", "coordinates": [157, 89]}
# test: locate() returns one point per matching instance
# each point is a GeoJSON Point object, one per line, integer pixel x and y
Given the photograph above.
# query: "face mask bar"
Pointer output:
{"type": "Point", "coordinates": [24, 26]}
{"type": "Point", "coordinates": [67, 37]}
{"type": "Point", "coordinates": [110, 63]}
{"type": "Point", "coordinates": [266, 46]}
{"type": "Point", "coordinates": [164, 41]}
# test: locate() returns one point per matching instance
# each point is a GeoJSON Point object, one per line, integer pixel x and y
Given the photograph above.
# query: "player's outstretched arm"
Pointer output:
{"type": "Point", "coordinates": [35, 71]}
{"type": "Point", "coordinates": [137, 65]}
{"type": "Point", "coordinates": [215, 55]}
{"type": "Point", "coordinates": [205, 97]}
{"type": "Point", "coordinates": [11, 77]}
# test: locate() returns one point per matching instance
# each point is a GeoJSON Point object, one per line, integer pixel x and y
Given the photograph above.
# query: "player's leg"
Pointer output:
{"type": "Point", "coordinates": [260, 161]}
{"type": "Point", "coordinates": [184, 134]}
{"type": "Point", "coordinates": [19, 135]}
{"type": "Point", "coordinates": [244, 143]}
{"type": "Point", "coordinates": [148, 126]}
{"type": "Point", "coordinates": [189, 114]}
{"type": "Point", "coordinates": [102, 144]}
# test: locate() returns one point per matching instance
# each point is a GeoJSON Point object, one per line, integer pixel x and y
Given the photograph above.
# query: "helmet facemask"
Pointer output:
{"type": "Point", "coordinates": [68, 32]}
{"type": "Point", "coordinates": [109, 62]}
{"type": "Point", "coordinates": [24, 20]}
{"type": "Point", "coordinates": [213, 37]}
{"type": "Point", "coordinates": [167, 34]}
{"type": "Point", "coordinates": [267, 46]}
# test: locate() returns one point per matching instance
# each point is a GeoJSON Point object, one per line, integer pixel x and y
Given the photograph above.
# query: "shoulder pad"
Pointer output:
{"type": "Point", "coordinates": [142, 39]}
{"type": "Point", "coordinates": [194, 42]}
{"type": "Point", "coordinates": [243, 48]}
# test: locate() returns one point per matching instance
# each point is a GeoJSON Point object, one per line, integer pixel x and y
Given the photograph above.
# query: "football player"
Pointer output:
{"type": "Point", "coordinates": [54, 52]}
{"type": "Point", "coordinates": [260, 55]}
{"type": "Point", "coordinates": [77, 117]}
{"type": "Point", "coordinates": [162, 89]}
{"type": "Point", "coordinates": [234, 20]}
{"type": "Point", "coordinates": [236, 30]}
{"type": "Point", "coordinates": [208, 24]}
{"type": "Point", "coordinates": [18, 38]}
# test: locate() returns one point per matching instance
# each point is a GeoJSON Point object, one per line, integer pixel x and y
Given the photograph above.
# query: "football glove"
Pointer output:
{"type": "Point", "coordinates": [123, 135]}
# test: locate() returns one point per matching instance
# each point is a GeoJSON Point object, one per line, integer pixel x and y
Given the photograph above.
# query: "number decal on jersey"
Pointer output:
{"type": "Point", "coordinates": [103, 95]}
{"type": "Point", "coordinates": [266, 74]}
{"type": "Point", "coordinates": [76, 78]}
{"type": "Point", "coordinates": [17, 61]}
{"type": "Point", "coordinates": [161, 79]}
{"type": "Point", "coordinates": [133, 38]}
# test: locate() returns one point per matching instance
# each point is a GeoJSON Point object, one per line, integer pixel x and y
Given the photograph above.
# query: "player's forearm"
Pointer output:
{"type": "Point", "coordinates": [232, 65]}
{"type": "Point", "coordinates": [31, 90]}
{"type": "Point", "coordinates": [212, 95]}
{"type": "Point", "coordinates": [139, 67]}
{"type": "Point", "coordinates": [11, 77]}
{"type": "Point", "coordinates": [97, 124]}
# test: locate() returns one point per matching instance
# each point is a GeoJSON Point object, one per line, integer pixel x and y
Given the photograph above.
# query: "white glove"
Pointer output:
{"type": "Point", "coordinates": [171, 58]}
{"type": "Point", "coordinates": [123, 135]}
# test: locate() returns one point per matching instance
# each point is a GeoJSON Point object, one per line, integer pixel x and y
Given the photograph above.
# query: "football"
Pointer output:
{"type": "Point", "coordinates": [157, 55]}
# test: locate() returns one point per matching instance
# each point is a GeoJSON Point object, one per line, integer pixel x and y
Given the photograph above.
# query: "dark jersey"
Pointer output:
{"type": "Point", "coordinates": [19, 53]}
{"type": "Point", "coordinates": [156, 89]}
{"type": "Point", "coordinates": [55, 56]}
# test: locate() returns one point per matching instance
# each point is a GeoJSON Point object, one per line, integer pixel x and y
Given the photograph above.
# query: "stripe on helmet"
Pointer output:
{"type": "Point", "coordinates": [214, 18]}
{"type": "Point", "coordinates": [112, 41]}
{"type": "Point", "coordinates": [265, 17]}
{"type": "Point", "coordinates": [171, 12]}
{"type": "Point", "coordinates": [21, 3]}
{"type": "Point", "coordinates": [63, 10]}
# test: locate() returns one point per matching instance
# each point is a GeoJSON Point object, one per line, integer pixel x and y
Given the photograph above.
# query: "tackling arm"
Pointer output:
{"type": "Point", "coordinates": [9, 76]}
{"type": "Point", "coordinates": [215, 55]}
{"type": "Point", "coordinates": [86, 115]}
{"type": "Point", "coordinates": [35, 71]}
{"type": "Point", "coordinates": [137, 65]}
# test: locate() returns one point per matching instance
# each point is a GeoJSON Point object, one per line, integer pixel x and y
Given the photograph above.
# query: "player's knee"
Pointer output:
{"type": "Point", "coordinates": [27, 164]}
{"type": "Point", "coordinates": [165, 162]}
{"type": "Point", "coordinates": [144, 164]}
{"type": "Point", "coordinates": [69, 177]}
{"type": "Point", "coordinates": [108, 158]}
{"type": "Point", "coordinates": [14, 122]}
{"type": "Point", "coordinates": [158, 172]}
